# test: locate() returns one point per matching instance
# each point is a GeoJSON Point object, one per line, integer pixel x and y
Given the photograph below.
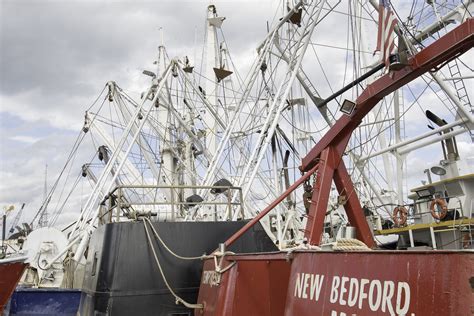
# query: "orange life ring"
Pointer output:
{"type": "Point", "coordinates": [444, 208]}
{"type": "Point", "coordinates": [400, 215]}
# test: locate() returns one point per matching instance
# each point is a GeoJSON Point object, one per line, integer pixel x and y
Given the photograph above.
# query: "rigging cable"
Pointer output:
{"type": "Point", "coordinates": [73, 151]}
{"type": "Point", "coordinates": [177, 298]}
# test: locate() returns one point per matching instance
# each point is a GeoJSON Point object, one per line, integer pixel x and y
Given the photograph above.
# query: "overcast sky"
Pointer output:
{"type": "Point", "coordinates": [56, 56]}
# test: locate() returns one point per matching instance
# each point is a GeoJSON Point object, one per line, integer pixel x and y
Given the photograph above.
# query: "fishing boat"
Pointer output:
{"type": "Point", "coordinates": [196, 159]}
{"type": "Point", "coordinates": [12, 265]}
{"type": "Point", "coordinates": [334, 273]}
{"type": "Point", "coordinates": [11, 270]}
{"type": "Point", "coordinates": [118, 252]}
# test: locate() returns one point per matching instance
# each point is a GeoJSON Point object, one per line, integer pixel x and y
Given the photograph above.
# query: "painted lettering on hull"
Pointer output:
{"type": "Point", "coordinates": [382, 297]}
{"type": "Point", "coordinates": [308, 285]}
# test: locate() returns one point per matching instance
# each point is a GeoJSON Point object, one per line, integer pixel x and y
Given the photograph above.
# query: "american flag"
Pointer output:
{"type": "Point", "coordinates": [385, 39]}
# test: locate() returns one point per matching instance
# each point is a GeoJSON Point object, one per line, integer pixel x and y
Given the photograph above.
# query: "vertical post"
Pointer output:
{"type": "Point", "coordinates": [398, 139]}
{"type": "Point", "coordinates": [119, 205]}
{"type": "Point", "coordinates": [433, 238]}
{"type": "Point", "coordinates": [241, 196]}
{"type": "Point", "coordinates": [229, 203]}
{"type": "Point", "coordinates": [101, 214]}
{"type": "Point", "coordinates": [277, 186]}
{"type": "Point", "coordinates": [410, 234]}
{"type": "Point", "coordinates": [112, 204]}
{"type": "Point", "coordinates": [320, 197]}
{"type": "Point", "coordinates": [4, 229]}
{"type": "Point", "coordinates": [173, 200]}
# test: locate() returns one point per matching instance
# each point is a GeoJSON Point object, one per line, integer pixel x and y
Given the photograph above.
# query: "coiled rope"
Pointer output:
{"type": "Point", "coordinates": [350, 244]}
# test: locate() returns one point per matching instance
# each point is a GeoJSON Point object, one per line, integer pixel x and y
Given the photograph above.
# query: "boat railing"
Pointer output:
{"type": "Point", "coordinates": [421, 208]}
{"type": "Point", "coordinates": [128, 202]}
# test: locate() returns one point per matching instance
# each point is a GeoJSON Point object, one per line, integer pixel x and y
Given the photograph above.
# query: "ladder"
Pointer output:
{"type": "Point", "coordinates": [460, 88]}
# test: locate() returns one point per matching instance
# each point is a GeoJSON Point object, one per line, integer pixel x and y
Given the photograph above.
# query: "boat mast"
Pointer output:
{"type": "Point", "coordinates": [83, 228]}
{"type": "Point", "coordinates": [43, 220]}
{"type": "Point", "coordinates": [211, 88]}
{"type": "Point", "coordinates": [372, 117]}
{"type": "Point", "coordinates": [168, 167]}
{"type": "Point", "coordinates": [399, 159]}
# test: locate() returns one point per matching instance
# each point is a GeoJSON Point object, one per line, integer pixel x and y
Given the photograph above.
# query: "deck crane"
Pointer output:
{"type": "Point", "coordinates": [325, 158]}
{"type": "Point", "coordinates": [286, 279]}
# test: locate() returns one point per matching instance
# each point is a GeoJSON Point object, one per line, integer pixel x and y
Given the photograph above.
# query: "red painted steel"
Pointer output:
{"type": "Point", "coordinates": [270, 207]}
{"type": "Point", "coordinates": [451, 45]}
{"type": "Point", "coordinates": [256, 285]}
{"type": "Point", "coordinates": [361, 283]}
{"type": "Point", "coordinates": [10, 274]}
{"type": "Point", "coordinates": [352, 206]}
{"type": "Point", "coordinates": [329, 150]}
{"type": "Point", "coordinates": [387, 282]}
{"type": "Point", "coordinates": [320, 197]}
{"type": "Point", "coordinates": [425, 283]}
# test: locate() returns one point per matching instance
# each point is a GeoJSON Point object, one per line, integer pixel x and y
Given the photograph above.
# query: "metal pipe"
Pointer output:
{"type": "Point", "coordinates": [427, 31]}
{"type": "Point", "coordinates": [432, 141]}
{"type": "Point", "coordinates": [414, 139]}
{"type": "Point", "coordinates": [350, 85]}
{"type": "Point", "coordinates": [459, 78]}
{"type": "Point", "coordinates": [434, 27]}
{"type": "Point", "coordinates": [270, 207]}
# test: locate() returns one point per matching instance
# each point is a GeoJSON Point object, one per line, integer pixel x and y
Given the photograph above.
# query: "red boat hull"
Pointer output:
{"type": "Point", "coordinates": [341, 283]}
{"type": "Point", "coordinates": [10, 274]}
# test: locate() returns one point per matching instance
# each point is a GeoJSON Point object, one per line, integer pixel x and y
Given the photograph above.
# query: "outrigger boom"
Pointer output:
{"type": "Point", "coordinates": [314, 282]}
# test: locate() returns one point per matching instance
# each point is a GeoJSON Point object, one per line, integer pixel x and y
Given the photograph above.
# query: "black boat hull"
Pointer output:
{"type": "Point", "coordinates": [122, 277]}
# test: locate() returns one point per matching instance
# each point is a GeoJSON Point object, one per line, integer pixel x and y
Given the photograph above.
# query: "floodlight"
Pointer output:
{"type": "Point", "coordinates": [440, 171]}
{"type": "Point", "coordinates": [347, 107]}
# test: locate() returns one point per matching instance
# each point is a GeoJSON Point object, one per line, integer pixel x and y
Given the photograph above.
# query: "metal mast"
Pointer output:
{"type": "Point", "coordinates": [43, 220]}
{"type": "Point", "coordinates": [211, 88]}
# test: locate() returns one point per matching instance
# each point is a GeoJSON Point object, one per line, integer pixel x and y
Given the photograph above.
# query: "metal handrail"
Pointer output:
{"type": "Point", "coordinates": [121, 205]}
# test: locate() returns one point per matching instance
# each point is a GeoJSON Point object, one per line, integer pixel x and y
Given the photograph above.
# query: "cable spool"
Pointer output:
{"type": "Point", "coordinates": [400, 215]}
{"type": "Point", "coordinates": [434, 210]}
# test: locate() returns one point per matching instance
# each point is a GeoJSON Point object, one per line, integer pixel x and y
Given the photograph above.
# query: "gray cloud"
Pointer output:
{"type": "Point", "coordinates": [56, 56]}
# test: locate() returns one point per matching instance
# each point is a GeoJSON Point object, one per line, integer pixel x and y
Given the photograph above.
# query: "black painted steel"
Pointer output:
{"type": "Point", "coordinates": [122, 278]}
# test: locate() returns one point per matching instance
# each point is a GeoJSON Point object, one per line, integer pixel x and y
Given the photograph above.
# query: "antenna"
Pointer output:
{"type": "Point", "coordinates": [162, 42]}
{"type": "Point", "coordinates": [43, 220]}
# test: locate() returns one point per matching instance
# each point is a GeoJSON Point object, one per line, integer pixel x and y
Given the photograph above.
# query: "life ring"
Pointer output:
{"type": "Point", "coordinates": [400, 215]}
{"type": "Point", "coordinates": [444, 209]}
